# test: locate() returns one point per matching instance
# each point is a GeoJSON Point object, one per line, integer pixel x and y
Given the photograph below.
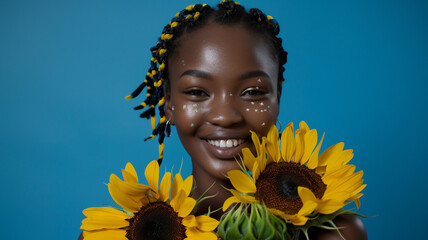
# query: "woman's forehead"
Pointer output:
{"type": "Point", "coordinates": [218, 47]}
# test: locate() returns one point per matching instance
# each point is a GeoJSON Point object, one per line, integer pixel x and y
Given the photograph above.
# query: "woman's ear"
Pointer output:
{"type": "Point", "coordinates": [169, 108]}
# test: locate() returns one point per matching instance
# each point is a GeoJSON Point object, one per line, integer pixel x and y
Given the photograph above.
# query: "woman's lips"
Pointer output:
{"type": "Point", "coordinates": [225, 149]}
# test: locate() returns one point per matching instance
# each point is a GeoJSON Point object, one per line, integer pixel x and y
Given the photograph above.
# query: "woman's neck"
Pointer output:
{"type": "Point", "coordinates": [217, 193]}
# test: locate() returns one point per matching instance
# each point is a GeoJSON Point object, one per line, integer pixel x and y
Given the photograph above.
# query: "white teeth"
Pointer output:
{"type": "Point", "coordinates": [228, 143]}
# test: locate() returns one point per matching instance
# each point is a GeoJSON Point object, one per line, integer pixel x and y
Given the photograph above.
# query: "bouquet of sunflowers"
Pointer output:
{"type": "Point", "coordinates": [282, 191]}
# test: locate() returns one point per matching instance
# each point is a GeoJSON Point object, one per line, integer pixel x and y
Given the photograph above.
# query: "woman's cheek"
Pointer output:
{"type": "Point", "coordinates": [187, 116]}
{"type": "Point", "coordinates": [262, 114]}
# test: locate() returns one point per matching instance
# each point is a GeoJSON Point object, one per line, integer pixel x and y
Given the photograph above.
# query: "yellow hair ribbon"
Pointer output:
{"type": "Point", "coordinates": [158, 83]}
{"type": "Point", "coordinates": [269, 17]}
{"type": "Point", "coordinates": [190, 7]}
{"type": "Point", "coordinates": [161, 102]}
{"type": "Point", "coordinates": [129, 97]}
{"type": "Point", "coordinates": [166, 36]}
{"type": "Point", "coordinates": [196, 15]}
{"type": "Point", "coordinates": [174, 24]}
{"type": "Point", "coordinates": [161, 147]}
{"type": "Point", "coordinates": [153, 120]}
{"type": "Point", "coordinates": [162, 51]}
{"type": "Point", "coordinates": [161, 67]}
{"type": "Point", "coordinates": [162, 120]}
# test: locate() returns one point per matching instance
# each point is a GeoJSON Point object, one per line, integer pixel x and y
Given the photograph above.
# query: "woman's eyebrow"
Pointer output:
{"type": "Point", "coordinates": [196, 73]}
{"type": "Point", "coordinates": [254, 74]}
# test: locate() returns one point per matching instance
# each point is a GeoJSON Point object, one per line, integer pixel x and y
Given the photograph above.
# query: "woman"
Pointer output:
{"type": "Point", "coordinates": [216, 74]}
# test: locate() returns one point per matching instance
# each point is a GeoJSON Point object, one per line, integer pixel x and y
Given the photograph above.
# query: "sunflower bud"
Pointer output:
{"type": "Point", "coordinates": [251, 222]}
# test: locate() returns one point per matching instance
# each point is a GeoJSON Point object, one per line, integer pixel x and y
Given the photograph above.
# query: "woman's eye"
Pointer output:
{"type": "Point", "coordinates": [252, 92]}
{"type": "Point", "coordinates": [196, 92]}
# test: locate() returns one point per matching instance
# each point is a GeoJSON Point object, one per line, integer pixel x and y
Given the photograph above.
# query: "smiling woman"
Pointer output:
{"type": "Point", "coordinates": [216, 75]}
{"type": "Point", "coordinates": [220, 88]}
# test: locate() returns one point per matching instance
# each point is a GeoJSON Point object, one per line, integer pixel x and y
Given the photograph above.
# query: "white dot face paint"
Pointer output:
{"type": "Point", "coordinates": [184, 107]}
{"type": "Point", "coordinates": [230, 94]}
{"type": "Point", "coordinates": [172, 108]}
{"type": "Point", "coordinates": [247, 109]}
{"type": "Point", "coordinates": [256, 110]}
{"type": "Point", "coordinates": [192, 124]}
{"type": "Point", "coordinates": [259, 80]}
{"type": "Point", "coordinates": [252, 103]}
{"type": "Point", "coordinates": [261, 104]}
{"type": "Point", "coordinates": [263, 124]}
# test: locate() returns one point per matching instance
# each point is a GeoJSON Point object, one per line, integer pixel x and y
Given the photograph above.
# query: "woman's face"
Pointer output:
{"type": "Point", "coordinates": [223, 83]}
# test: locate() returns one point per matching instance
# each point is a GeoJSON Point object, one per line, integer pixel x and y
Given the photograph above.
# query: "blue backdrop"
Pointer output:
{"type": "Point", "coordinates": [357, 70]}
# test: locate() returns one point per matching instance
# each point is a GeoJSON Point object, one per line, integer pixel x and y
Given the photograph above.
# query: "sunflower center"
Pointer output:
{"type": "Point", "coordinates": [156, 221]}
{"type": "Point", "coordinates": [277, 185]}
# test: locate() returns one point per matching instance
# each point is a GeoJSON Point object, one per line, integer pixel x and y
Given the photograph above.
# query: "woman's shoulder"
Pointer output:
{"type": "Point", "coordinates": [350, 226]}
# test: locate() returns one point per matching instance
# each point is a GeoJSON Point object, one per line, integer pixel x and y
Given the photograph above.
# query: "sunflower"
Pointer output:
{"type": "Point", "coordinates": [292, 179]}
{"type": "Point", "coordinates": [148, 212]}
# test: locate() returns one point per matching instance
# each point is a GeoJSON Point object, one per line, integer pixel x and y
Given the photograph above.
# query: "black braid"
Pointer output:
{"type": "Point", "coordinates": [186, 21]}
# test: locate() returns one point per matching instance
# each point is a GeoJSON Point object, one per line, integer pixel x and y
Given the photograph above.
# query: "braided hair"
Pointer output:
{"type": "Point", "coordinates": [187, 20]}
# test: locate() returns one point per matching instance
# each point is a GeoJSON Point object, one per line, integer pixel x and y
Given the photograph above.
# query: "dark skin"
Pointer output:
{"type": "Point", "coordinates": [222, 84]}
{"type": "Point", "coordinates": [206, 76]}
{"type": "Point", "coordinates": [220, 87]}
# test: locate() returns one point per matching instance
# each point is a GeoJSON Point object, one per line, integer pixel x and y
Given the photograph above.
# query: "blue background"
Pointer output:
{"type": "Point", "coordinates": [357, 70]}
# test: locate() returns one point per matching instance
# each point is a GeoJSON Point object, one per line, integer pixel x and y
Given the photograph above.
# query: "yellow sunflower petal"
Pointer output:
{"type": "Point", "coordinates": [256, 142]}
{"type": "Point", "coordinates": [313, 160]}
{"type": "Point", "coordinates": [300, 146]}
{"type": "Point", "coordinates": [130, 188]}
{"type": "Point", "coordinates": [262, 160]}
{"type": "Point", "coordinates": [129, 174]}
{"type": "Point", "coordinates": [351, 182]}
{"type": "Point", "coordinates": [329, 206]}
{"type": "Point", "coordinates": [188, 184]}
{"type": "Point", "coordinates": [190, 221]}
{"type": "Point", "coordinates": [195, 234]}
{"type": "Point", "coordinates": [111, 234]}
{"type": "Point", "coordinates": [124, 200]}
{"type": "Point", "coordinates": [249, 158]}
{"type": "Point", "coordinates": [288, 145]}
{"type": "Point", "coordinates": [304, 127]}
{"type": "Point", "coordinates": [104, 218]}
{"type": "Point", "coordinates": [243, 198]}
{"type": "Point", "coordinates": [357, 200]}
{"type": "Point", "coordinates": [186, 207]}
{"type": "Point", "coordinates": [241, 181]}
{"type": "Point", "coordinates": [339, 160]}
{"type": "Point", "coordinates": [330, 153]}
{"type": "Point", "coordinates": [340, 173]}
{"type": "Point", "coordinates": [310, 138]}
{"type": "Point", "coordinates": [177, 184]}
{"type": "Point", "coordinates": [165, 187]}
{"type": "Point", "coordinates": [231, 200]}
{"type": "Point", "coordinates": [152, 175]}
{"type": "Point", "coordinates": [256, 171]}
{"type": "Point", "coordinates": [182, 204]}
{"type": "Point", "coordinates": [273, 144]}
{"type": "Point", "coordinates": [204, 223]}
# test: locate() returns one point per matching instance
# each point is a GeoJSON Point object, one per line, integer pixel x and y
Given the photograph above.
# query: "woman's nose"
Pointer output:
{"type": "Point", "coordinates": [224, 113]}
